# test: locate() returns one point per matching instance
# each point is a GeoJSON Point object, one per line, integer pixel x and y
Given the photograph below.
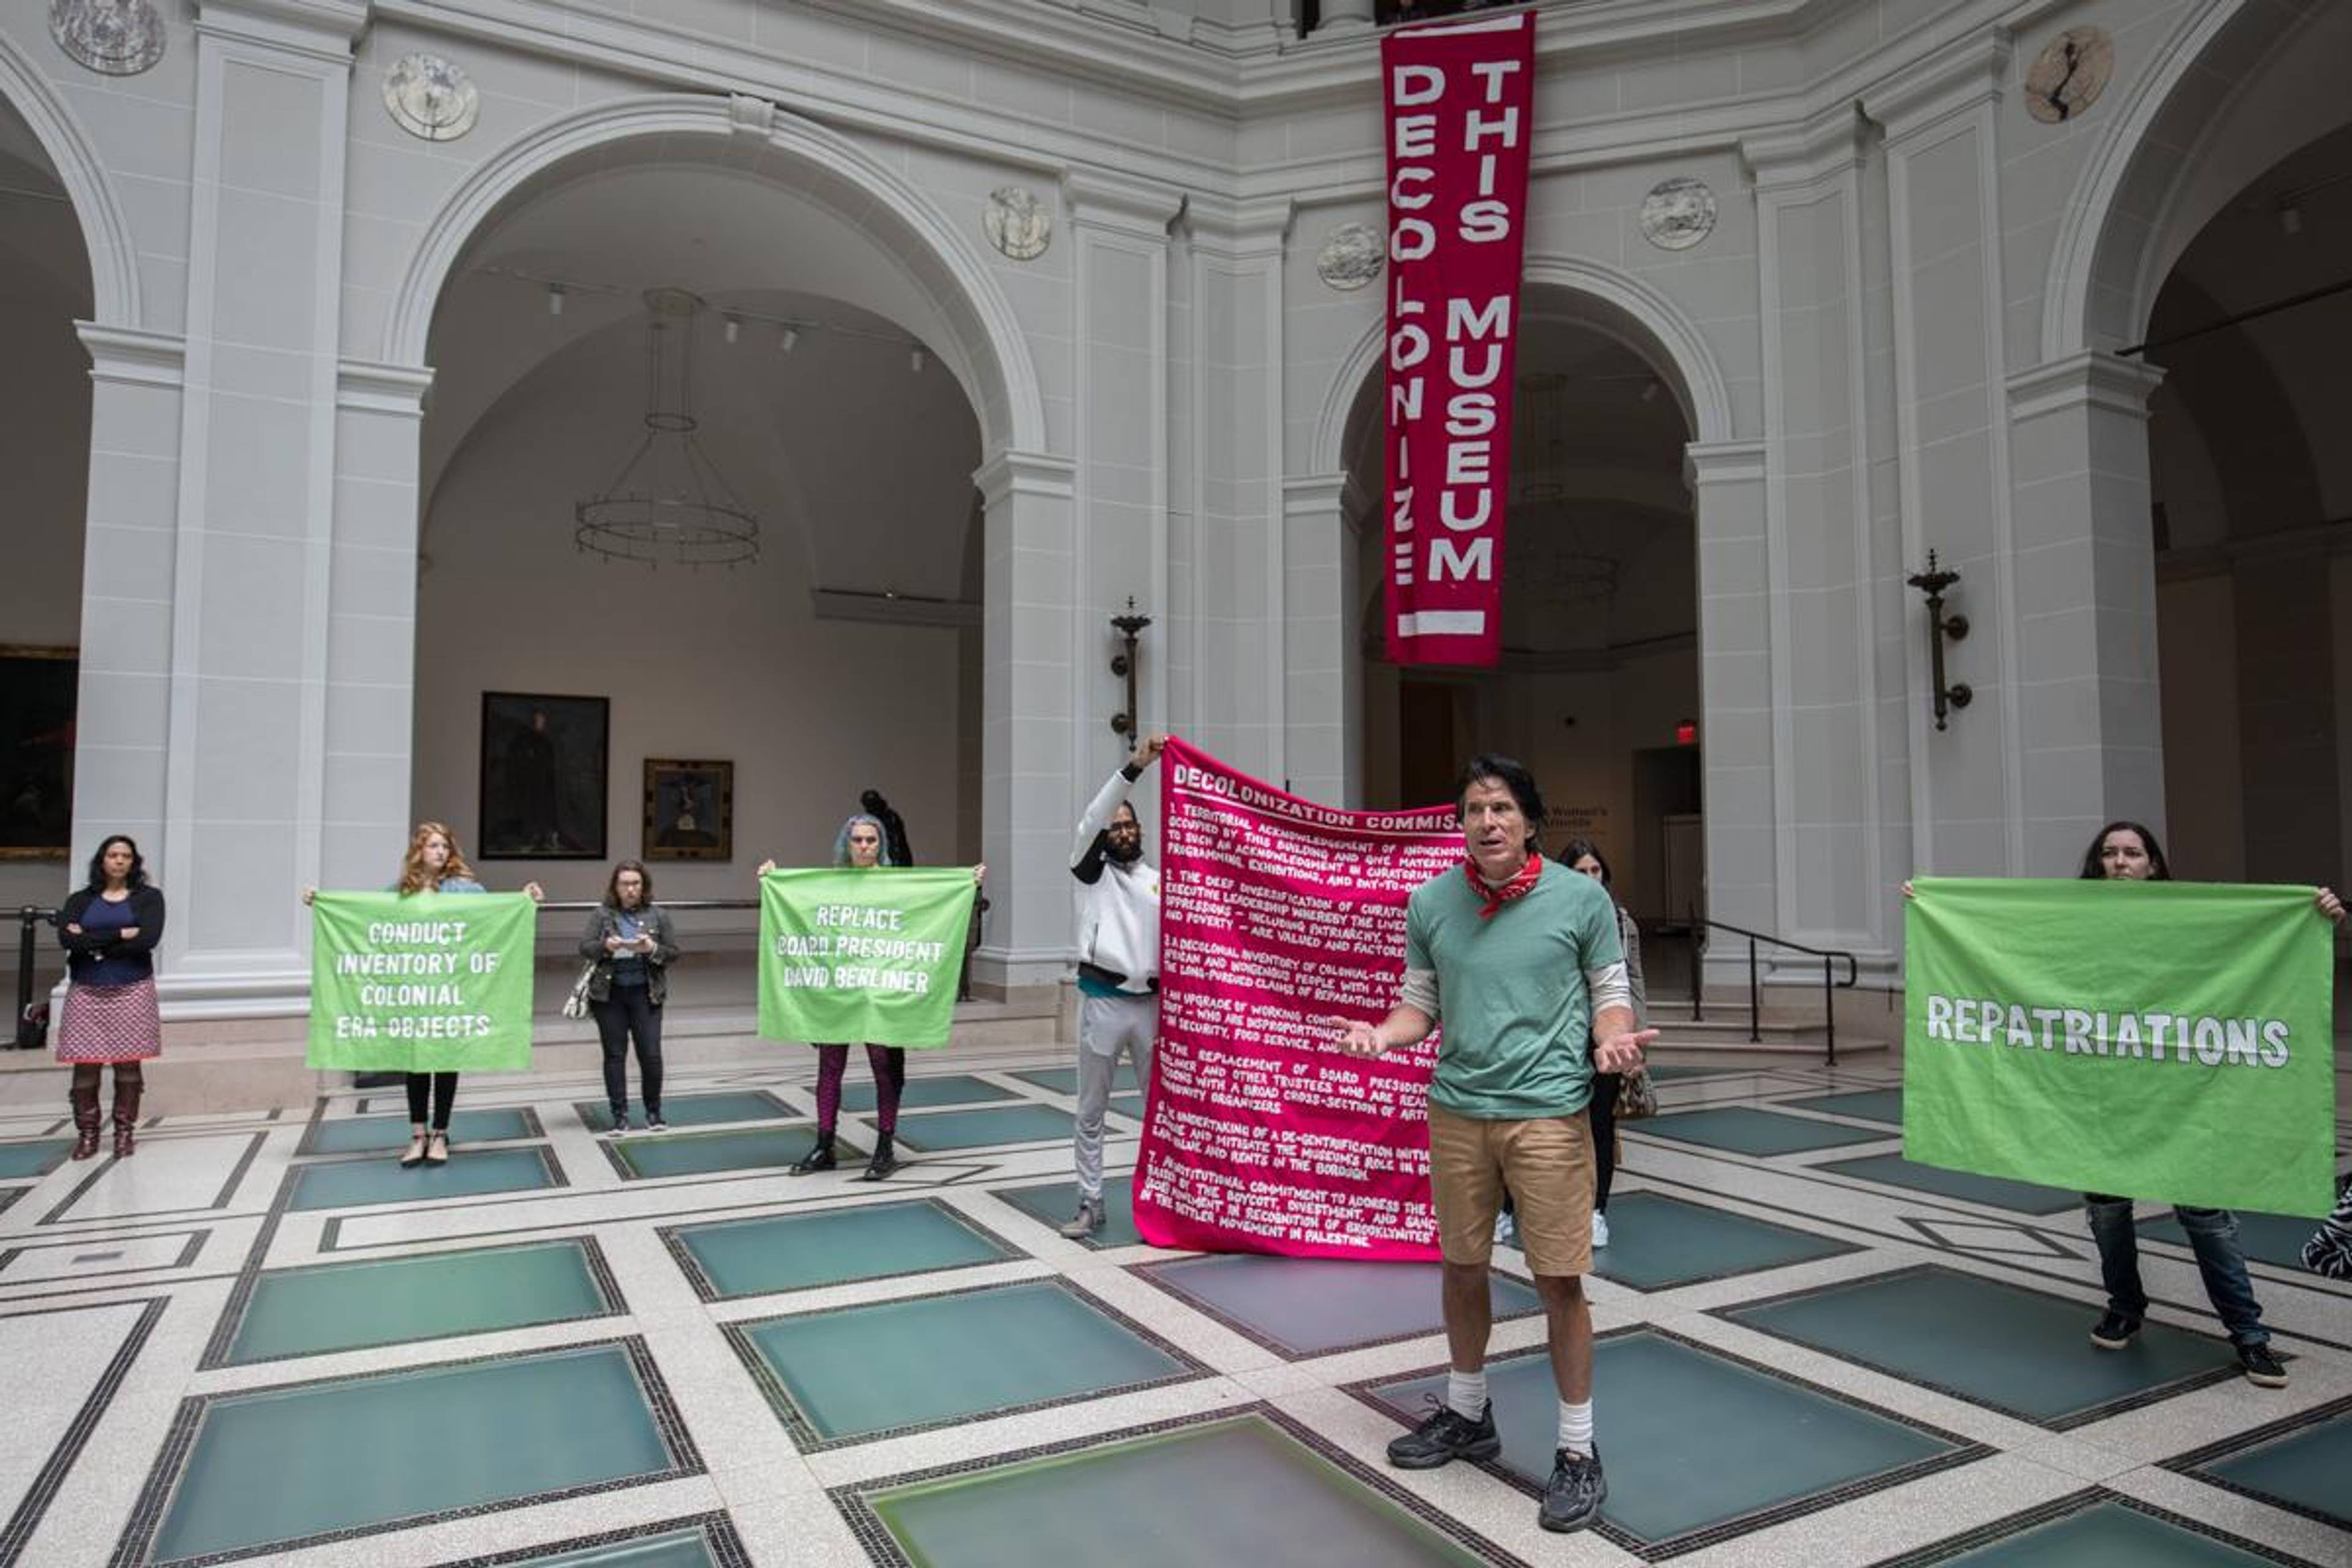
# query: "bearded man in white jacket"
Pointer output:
{"type": "Point", "coordinates": [1119, 966]}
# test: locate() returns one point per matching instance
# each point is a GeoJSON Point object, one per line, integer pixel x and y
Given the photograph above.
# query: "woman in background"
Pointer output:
{"type": "Point", "coordinates": [109, 929]}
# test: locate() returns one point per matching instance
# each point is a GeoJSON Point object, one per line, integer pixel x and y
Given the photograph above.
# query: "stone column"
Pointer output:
{"type": "Point", "coordinates": [1344, 16]}
{"type": "Point", "coordinates": [252, 565]}
{"type": "Point", "coordinates": [122, 718]}
{"type": "Point", "coordinates": [1824, 730]}
{"type": "Point", "coordinates": [1319, 576]}
{"type": "Point", "coordinates": [1239, 560]}
{"type": "Point", "coordinates": [1736, 678]}
{"type": "Point", "coordinates": [2085, 602]}
{"type": "Point", "coordinates": [1027, 813]}
{"type": "Point", "coordinates": [1968, 782]}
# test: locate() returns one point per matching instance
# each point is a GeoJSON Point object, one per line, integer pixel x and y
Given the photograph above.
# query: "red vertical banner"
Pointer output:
{"type": "Point", "coordinates": [1460, 110]}
{"type": "Point", "coordinates": [1276, 914]}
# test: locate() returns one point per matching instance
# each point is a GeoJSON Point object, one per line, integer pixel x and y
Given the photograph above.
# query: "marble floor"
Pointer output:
{"type": "Point", "coordinates": [260, 1341]}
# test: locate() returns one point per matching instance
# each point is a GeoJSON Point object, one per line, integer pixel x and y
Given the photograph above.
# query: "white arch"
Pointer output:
{"type": "Point", "coordinates": [2066, 292]}
{"type": "Point", "coordinates": [1012, 410]}
{"type": "Point", "coordinates": [1691, 372]}
{"type": "Point", "coordinates": [105, 231]}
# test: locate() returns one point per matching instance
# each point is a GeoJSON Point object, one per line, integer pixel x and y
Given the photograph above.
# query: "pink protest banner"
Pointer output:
{"type": "Point", "coordinates": [1275, 915]}
{"type": "Point", "coordinates": [1460, 102]}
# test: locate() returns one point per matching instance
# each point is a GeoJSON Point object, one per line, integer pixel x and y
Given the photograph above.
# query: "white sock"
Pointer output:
{"type": "Point", "coordinates": [1576, 1426]}
{"type": "Point", "coordinates": [1466, 1394]}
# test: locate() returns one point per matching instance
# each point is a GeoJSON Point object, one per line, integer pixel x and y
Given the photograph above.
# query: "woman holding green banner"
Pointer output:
{"type": "Point", "coordinates": [860, 845]}
{"type": "Point", "coordinates": [2126, 851]}
{"type": "Point", "coordinates": [434, 864]}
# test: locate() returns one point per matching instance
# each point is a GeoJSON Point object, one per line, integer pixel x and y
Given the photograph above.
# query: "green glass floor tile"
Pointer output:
{"type": "Point", "coordinates": [1059, 1202]}
{"type": "Point", "coordinates": [1656, 1243]}
{"type": "Point", "coordinates": [2013, 1349]}
{"type": "Point", "coordinates": [1061, 1080]}
{"type": "Point", "coordinates": [864, 1370]}
{"type": "Point", "coordinates": [371, 1135]}
{"type": "Point", "coordinates": [20, 1160]}
{"type": "Point", "coordinates": [939, 1130]}
{"type": "Point", "coordinates": [1992, 1192]}
{"type": "Point", "coordinates": [795, 1252]}
{"type": "Point", "coordinates": [2106, 1535]}
{"type": "Point", "coordinates": [389, 1301]}
{"type": "Point", "coordinates": [470, 1172]}
{"type": "Point", "coordinates": [1665, 1074]}
{"type": "Point", "coordinates": [700, 1153]}
{"type": "Point", "coordinates": [1744, 1129]}
{"type": "Point", "coordinates": [288, 1465]}
{"type": "Point", "coordinates": [2310, 1468]}
{"type": "Point", "coordinates": [2269, 1237]}
{"type": "Point", "coordinates": [1306, 1306]}
{"type": "Point", "coordinates": [955, 1088]}
{"type": "Point", "coordinates": [1128, 1105]}
{"type": "Point", "coordinates": [1863, 1104]}
{"type": "Point", "coordinates": [1692, 1439]}
{"type": "Point", "coordinates": [678, 1549]}
{"type": "Point", "coordinates": [1241, 1491]}
{"type": "Point", "coordinates": [693, 1110]}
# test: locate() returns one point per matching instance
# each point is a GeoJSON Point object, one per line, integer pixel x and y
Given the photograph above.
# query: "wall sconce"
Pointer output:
{"type": "Point", "coordinates": [1941, 629]}
{"type": "Point", "coordinates": [1128, 626]}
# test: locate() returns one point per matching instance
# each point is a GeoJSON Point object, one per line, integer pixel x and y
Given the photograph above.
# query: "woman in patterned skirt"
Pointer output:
{"type": "Point", "coordinates": [109, 931]}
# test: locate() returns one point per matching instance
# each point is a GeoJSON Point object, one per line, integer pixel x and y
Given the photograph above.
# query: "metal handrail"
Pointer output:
{"type": "Point", "coordinates": [1700, 925]}
{"type": "Point", "coordinates": [29, 916]}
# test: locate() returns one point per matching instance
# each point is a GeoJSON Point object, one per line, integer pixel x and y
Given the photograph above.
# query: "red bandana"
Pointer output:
{"type": "Point", "coordinates": [1518, 886]}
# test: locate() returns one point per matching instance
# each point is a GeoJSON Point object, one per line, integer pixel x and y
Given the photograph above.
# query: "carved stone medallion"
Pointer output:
{"type": "Point", "coordinates": [2067, 77]}
{"type": "Point", "coordinates": [1677, 213]}
{"type": "Point", "coordinates": [1018, 222]}
{"type": "Point", "coordinates": [113, 37]}
{"type": "Point", "coordinates": [431, 98]}
{"type": "Point", "coordinates": [1351, 257]}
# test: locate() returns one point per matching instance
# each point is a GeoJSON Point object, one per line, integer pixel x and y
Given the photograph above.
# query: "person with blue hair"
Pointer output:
{"type": "Point", "coordinates": [861, 845]}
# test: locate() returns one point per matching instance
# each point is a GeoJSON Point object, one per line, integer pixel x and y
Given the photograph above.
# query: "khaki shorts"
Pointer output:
{"type": "Point", "coordinates": [1548, 1166]}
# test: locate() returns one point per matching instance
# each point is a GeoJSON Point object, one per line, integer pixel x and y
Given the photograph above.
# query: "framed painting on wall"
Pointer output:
{"type": "Point", "coordinates": [543, 776]}
{"type": "Point", "coordinates": [37, 692]}
{"type": "Point", "coordinates": [689, 810]}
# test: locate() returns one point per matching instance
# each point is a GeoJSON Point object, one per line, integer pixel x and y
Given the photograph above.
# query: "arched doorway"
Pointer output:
{"type": "Point", "coordinates": [46, 286]}
{"type": "Point", "coordinates": [1599, 687]}
{"type": "Point", "coordinates": [838, 651]}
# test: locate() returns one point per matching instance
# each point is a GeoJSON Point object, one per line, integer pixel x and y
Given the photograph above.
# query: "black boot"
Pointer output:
{"type": "Point", "coordinates": [127, 1087]}
{"type": "Point", "coordinates": [884, 1161]}
{"type": "Point", "coordinates": [819, 1158]}
{"type": "Point", "coordinates": [86, 1120]}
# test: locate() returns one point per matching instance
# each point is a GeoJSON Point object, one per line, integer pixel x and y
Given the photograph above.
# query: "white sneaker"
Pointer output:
{"type": "Point", "coordinates": [1600, 1228]}
{"type": "Point", "coordinates": [1506, 1231]}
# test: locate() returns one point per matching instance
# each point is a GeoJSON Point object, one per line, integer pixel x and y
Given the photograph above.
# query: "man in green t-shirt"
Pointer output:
{"type": "Point", "coordinates": [1522, 960]}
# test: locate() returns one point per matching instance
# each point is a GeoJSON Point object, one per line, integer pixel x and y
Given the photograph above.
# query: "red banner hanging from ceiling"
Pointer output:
{"type": "Point", "coordinates": [1460, 106]}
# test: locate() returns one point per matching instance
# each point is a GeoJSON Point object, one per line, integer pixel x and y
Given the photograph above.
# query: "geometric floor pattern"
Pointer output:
{"type": "Point", "coordinates": [260, 1341]}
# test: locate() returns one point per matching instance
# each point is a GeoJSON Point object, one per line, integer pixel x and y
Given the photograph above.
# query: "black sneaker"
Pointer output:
{"type": "Point", "coordinates": [2115, 1331]}
{"type": "Point", "coordinates": [1444, 1436]}
{"type": "Point", "coordinates": [1572, 1497]}
{"type": "Point", "coordinates": [2262, 1369]}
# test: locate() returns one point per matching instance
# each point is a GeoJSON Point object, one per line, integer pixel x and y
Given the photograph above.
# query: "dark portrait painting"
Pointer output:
{"type": "Point", "coordinates": [36, 752]}
{"type": "Point", "coordinates": [543, 778]}
{"type": "Point", "coordinates": [689, 810]}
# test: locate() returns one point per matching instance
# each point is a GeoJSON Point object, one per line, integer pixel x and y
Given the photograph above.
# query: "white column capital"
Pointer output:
{"type": "Point", "coordinates": [130, 354]}
{"type": "Point", "coordinates": [2093, 377]}
{"type": "Point", "coordinates": [1010, 473]}
{"type": "Point", "coordinates": [1237, 231]}
{"type": "Point", "coordinates": [1797, 157]}
{"type": "Point", "coordinates": [1723, 463]}
{"type": "Point", "coordinates": [374, 387]}
{"type": "Point", "coordinates": [1942, 86]}
{"type": "Point", "coordinates": [1100, 199]}
{"type": "Point", "coordinates": [323, 29]}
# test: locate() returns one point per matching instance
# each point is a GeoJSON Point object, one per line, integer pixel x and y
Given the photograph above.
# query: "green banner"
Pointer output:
{"type": "Point", "coordinates": [2163, 1041]}
{"type": "Point", "coordinates": [848, 955]}
{"type": "Point", "coordinates": [431, 983]}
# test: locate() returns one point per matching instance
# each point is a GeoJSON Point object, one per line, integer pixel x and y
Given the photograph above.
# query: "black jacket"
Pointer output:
{"type": "Point", "coordinates": [86, 948]}
{"type": "Point", "coordinates": [605, 921]}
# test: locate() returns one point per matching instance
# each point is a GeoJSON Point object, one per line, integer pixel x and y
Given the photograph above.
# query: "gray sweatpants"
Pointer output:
{"type": "Point", "coordinates": [1107, 1025]}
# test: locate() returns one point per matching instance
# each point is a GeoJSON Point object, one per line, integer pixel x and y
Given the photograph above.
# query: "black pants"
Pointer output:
{"type": "Point", "coordinates": [1604, 1138]}
{"type": "Point", "coordinates": [444, 1088]}
{"type": "Point", "coordinates": [630, 1012]}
